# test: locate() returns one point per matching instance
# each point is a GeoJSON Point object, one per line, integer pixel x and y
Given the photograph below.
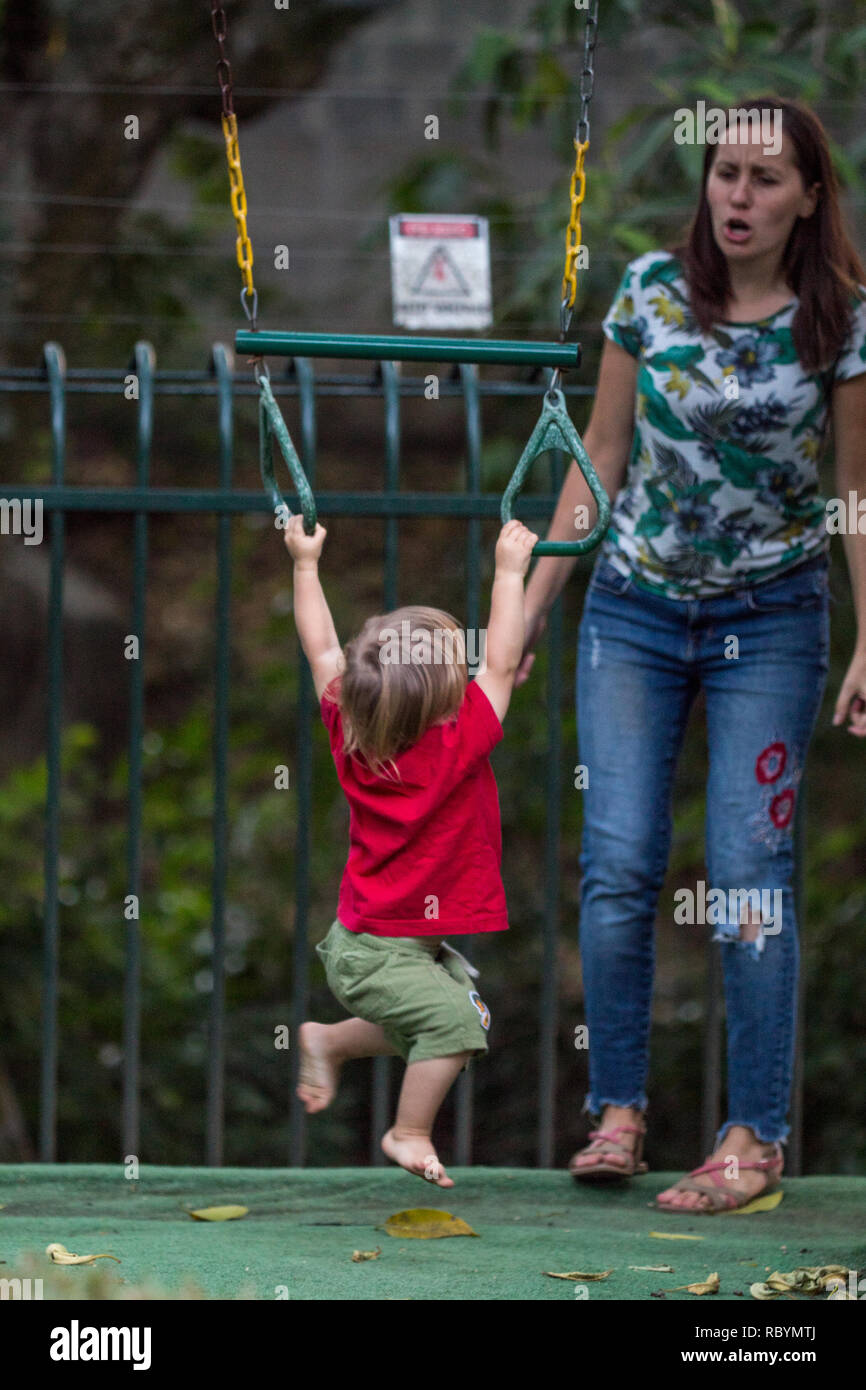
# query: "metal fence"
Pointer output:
{"type": "Point", "coordinates": [221, 386]}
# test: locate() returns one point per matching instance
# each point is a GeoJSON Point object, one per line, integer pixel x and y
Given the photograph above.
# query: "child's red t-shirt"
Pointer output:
{"type": "Point", "coordinates": [431, 843]}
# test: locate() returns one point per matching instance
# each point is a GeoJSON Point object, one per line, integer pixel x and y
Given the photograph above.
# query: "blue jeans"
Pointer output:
{"type": "Point", "coordinates": [761, 656]}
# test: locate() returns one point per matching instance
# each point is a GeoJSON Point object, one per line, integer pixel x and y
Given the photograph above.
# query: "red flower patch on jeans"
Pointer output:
{"type": "Point", "coordinates": [770, 764]}
{"type": "Point", "coordinates": [782, 809]}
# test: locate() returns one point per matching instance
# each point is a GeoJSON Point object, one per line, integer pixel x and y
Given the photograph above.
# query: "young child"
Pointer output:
{"type": "Point", "coordinates": [411, 738]}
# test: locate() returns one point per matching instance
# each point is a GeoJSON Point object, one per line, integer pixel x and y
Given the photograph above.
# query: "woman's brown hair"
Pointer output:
{"type": "Point", "coordinates": [404, 671]}
{"type": "Point", "coordinates": [820, 262]}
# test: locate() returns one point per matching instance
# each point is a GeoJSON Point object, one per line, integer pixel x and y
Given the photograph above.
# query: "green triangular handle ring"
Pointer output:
{"type": "Point", "coordinates": [555, 430]}
{"type": "Point", "coordinates": [271, 423]}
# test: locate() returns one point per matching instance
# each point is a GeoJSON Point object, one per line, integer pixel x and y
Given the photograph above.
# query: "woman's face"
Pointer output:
{"type": "Point", "coordinates": [756, 197]}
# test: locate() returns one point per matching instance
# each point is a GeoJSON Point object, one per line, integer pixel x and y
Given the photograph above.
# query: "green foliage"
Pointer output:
{"type": "Point", "coordinates": [720, 53]}
{"type": "Point", "coordinates": [202, 164]}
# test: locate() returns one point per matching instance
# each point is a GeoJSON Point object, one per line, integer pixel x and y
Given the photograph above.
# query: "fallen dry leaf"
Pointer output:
{"type": "Point", "coordinates": [359, 1255]}
{"type": "Point", "coordinates": [763, 1291]}
{"type": "Point", "coordinates": [426, 1223]}
{"type": "Point", "coordinates": [219, 1213]}
{"type": "Point", "coordinates": [670, 1235]}
{"type": "Point", "coordinates": [804, 1279]}
{"type": "Point", "coordinates": [577, 1274]}
{"type": "Point", "coordinates": [710, 1285]}
{"type": "Point", "coordinates": [767, 1203]}
{"type": "Point", "coordinates": [654, 1269]}
{"type": "Point", "coordinates": [59, 1255]}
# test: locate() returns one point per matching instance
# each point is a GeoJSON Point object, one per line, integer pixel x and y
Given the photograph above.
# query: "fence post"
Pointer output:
{"type": "Point", "coordinates": [794, 1159]}
{"type": "Point", "coordinates": [472, 407]}
{"type": "Point", "coordinates": [221, 365]}
{"type": "Point", "coordinates": [390, 378]}
{"type": "Point", "coordinates": [144, 362]}
{"type": "Point", "coordinates": [55, 367]}
{"type": "Point", "coordinates": [548, 1003]}
{"type": "Point", "coordinates": [301, 369]}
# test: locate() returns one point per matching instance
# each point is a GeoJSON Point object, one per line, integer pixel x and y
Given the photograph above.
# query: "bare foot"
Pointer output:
{"type": "Point", "coordinates": [320, 1067]}
{"type": "Point", "coordinates": [739, 1143]}
{"type": "Point", "coordinates": [416, 1154]}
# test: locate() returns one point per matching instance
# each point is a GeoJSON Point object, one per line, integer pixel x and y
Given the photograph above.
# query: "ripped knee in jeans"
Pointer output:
{"type": "Point", "coordinates": [753, 915]}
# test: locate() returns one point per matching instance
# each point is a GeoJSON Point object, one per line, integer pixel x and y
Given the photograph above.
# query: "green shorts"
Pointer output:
{"type": "Point", "coordinates": [419, 993]}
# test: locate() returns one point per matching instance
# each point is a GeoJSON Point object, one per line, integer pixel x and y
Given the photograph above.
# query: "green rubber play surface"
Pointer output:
{"type": "Point", "coordinates": [304, 1224]}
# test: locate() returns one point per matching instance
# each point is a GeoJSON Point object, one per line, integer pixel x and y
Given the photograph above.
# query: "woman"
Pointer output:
{"type": "Point", "coordinates": [725, 361]}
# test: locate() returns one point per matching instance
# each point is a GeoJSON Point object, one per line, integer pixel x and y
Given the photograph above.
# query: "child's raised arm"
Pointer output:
{"type": "Point", "coordinates": [505, 629]}
{"type": "Point", "coordinates": [312, 614]}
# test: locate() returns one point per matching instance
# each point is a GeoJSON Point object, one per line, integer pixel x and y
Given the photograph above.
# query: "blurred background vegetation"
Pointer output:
{"type": "Point", "coordinates": [519, 78]}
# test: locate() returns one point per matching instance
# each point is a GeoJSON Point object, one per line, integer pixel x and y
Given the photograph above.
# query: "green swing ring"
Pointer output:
{"type": "Point", "coordinates": [555, 430]}
{"type": "Point", "coordinates": [272, 424]}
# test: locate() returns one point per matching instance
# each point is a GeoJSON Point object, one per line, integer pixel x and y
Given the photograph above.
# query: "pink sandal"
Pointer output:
{"type": "Point", "coordinates": [725, 1198]}
{"type": "Point", "coordinates": [600, 1171]}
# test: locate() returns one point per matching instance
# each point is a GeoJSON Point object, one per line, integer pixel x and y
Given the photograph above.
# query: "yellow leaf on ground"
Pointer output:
{"type": "Point", "coordinates": [671, 1235]}
{"type": "Point", "coordinates": [218, 1213]}
{"type": "Point", "coordinates": [359, 1255]}
{"type": "Point", "coordinates": [653, 1269]}
{"type": "Point", "coordinates": [59, 1255]}
{"type": "Point", "coordinates": [710, 1285]}
{"type": "Point", "coordinates": [578, 1274]}
{"type": "Point", "coordinates": [767, 1203]}
{"type": "Point", "coordinates": [426, 1223]}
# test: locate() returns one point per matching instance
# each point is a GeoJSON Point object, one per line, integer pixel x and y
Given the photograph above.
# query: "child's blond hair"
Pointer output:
{"type": "Point", "coordinates": [403, 672]}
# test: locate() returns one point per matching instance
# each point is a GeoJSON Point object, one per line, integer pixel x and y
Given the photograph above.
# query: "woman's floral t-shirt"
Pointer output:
{"type": "Point", "coordinates": [722, 483]}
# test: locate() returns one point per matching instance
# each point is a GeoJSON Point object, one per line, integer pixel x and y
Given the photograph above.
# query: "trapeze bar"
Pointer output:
{"type": "Point", "coordinates": [402, 349]}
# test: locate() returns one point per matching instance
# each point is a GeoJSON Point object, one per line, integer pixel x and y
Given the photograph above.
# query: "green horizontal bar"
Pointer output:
{"type": "Point", "coordinates": [369, 504]}
{"type": "Point", "coordinates": [407, 349]}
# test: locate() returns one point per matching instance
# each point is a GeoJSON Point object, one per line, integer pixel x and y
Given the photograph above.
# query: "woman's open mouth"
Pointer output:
{"type": "Point", "coordinates": [735, 229]}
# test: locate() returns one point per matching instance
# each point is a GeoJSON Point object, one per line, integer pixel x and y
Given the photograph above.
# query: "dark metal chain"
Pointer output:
{"type": "Point", "coordinates": [223, 67]}
{"type": "Point", "coordinates": [249, 294]}
{"type": "Point", "coordinates": [587, 76]}
{"type": "Point", "coordinates": [581, 137]}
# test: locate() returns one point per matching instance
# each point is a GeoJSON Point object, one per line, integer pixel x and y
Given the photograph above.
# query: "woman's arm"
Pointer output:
{"type": "Point", "coordinates": [608, 442]}
{"type": "Point", "coordinates": [849, 435]}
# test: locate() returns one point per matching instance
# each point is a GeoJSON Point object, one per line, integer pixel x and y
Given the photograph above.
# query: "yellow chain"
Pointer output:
{"type": "Point", "coordinates": [239, 201]}
{"type": "Point", "coordinates": [572, 235]}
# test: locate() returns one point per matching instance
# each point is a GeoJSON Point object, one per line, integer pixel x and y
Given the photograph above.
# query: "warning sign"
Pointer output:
{"type": "Point", "coordinates": [440, 271]}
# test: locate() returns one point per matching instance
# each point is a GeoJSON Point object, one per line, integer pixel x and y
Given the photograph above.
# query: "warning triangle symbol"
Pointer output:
{"type": "Point", "coordinates": [439, 275]}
